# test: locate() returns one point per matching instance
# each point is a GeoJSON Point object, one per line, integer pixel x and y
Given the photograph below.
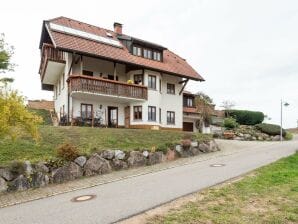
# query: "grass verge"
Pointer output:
{"type": "Point", "coordinates": [269, 195]}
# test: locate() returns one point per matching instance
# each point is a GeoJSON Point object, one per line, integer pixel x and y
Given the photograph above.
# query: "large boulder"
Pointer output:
{"type": "Point", "coordinates": [108, 154]}
{"type": "Point", "coordinates": [119, 164]}
{"type": "Point", "coordinates": [3, 185]}
{"type": "Point", "coordinates": [81, 160]}
{"type": "Point", "coordinates": [6, 174]}
{"type": "Point", "coordinates": [155, 157]}
{"type": "Point", "coordinates": [171, 155]}
{"type": "Point", "coordinates": [203, 147]}
{"type": "Point", "coordinates": [213, 147]}
{"type": "Point", "coordinates": [28, 168]}
{"type": "Point", "coordinates": [41, 167]}
{"type": "Point", "coordinates": [276, 138]}
{"type": "Point", "coordinates": [97, 165]}
{"type": "Point", "coordinates": [136, 159]}
{"type": "Point", "coordinates": [68, 172]}
{"type": "Point", "coordinates": [19, 184]}
{"type": "Point", "coordinates": [119, 154]}
{"type": "Point", "coordinates": [39, 179]}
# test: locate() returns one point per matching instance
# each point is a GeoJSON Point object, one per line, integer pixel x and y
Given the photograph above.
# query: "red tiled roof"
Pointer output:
{"type": "Point", "coordinates": [172, 63]}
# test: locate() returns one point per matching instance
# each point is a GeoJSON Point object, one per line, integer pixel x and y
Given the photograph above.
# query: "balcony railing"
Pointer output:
{"type": "Point", "coordinates": [82, 83]}
{"type": "Point", "coordinates": [48, 52]}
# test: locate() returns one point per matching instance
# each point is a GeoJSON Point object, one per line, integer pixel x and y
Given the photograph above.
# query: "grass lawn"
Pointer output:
{"type": "Point", "coordinates": [269, 195]}
{"type": "Point", "coordinates": [85, 138]}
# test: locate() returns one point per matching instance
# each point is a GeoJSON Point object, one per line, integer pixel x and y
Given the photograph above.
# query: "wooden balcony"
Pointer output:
{"type": "Point", "coordinates": [50, 54]}
{"type": "Point", "coordinates": [96, 85]}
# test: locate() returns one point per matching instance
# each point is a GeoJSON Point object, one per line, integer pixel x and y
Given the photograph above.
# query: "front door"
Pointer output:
{"type": "Point", "coordinates": [127, 116]}
{"type": "Point", "coordinates": [113, 117]}
{"type": "Point", "coordinates": [188, 126]}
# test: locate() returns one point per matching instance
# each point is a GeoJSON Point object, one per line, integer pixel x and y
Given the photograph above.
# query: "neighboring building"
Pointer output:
{"type": "Point", "coordinates": [41, 104]}
{"type": "Point", "coordinates": [124, 81]}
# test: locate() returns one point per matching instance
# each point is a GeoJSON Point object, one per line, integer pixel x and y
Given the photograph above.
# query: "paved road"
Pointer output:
{"type": "Point", "coordinates": [121, 199]}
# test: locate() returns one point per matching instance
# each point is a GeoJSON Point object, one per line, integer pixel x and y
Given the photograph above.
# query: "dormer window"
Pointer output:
{"type": "Point", "coordinates": [147, 53]}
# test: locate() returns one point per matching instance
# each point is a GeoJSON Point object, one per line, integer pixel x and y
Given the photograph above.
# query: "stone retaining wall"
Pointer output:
{"type": "Point", "coordinates": [22, 176]}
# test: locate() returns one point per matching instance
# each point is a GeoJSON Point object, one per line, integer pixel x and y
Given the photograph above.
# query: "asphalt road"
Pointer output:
{"type": "Point", "coordinates": [121, 199]}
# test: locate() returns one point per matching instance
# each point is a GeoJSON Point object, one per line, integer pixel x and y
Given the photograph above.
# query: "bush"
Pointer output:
{"type": "Point", "coordinates": [288, 136]}
{"type": "Point", "coordinates": [67, 152]}
{"type": "Point", "coordinates": [162, 148]}
{"type": "Point", "coordinates": [270, 129]}
{"type": "Point", "coordinates": [203, 138]}
{"type": "Point", "coordinates": [246, 117]}
{"type": "Point", "coordinates": [230, 123]}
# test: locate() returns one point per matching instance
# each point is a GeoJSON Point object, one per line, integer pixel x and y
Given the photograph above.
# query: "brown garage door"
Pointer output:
{"type": "Point", "coordinates": [187, 126]}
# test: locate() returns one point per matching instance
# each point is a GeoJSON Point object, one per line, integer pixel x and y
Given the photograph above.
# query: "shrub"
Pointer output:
{"type": "Point", "coordinates": [162, 148]}
{"type": "Point", "coordinates": [246, 117]}
{"type": "Point", "coordinates": [288, 136]}
{"type": "Point", "coordinates": [230, 123]}
{"type": "Point", "coordinates": [270, 129]}
{"type": "Point", "coordinates": [203, 138]}
{"type": "Point", "coordinates": [67, 151]}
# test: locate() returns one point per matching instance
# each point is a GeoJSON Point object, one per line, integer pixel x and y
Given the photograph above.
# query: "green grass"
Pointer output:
{"type": "Point", "coordinates": [45, 114]}
{"type": "Point", "coordinates": [85, 138]}
{"type": "Point", "coordinates": [269, 195]}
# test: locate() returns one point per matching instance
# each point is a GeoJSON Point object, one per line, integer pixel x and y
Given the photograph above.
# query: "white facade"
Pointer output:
{"type": "Point", "coordinates": [70, 102]}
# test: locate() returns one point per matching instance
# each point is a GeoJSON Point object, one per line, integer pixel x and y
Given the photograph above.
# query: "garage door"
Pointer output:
{"type": "Point", "coordinates": [187, 126]}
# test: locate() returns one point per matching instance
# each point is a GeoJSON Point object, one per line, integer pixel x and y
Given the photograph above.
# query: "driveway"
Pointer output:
{"type": "Point", "coordinates": [127, 197]}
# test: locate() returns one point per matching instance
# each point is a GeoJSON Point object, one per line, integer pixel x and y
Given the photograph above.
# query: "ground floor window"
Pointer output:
{"type": "Point", "coordinates": [170, 117]}
{"type": "Point", "coordinates": [86, 111]}
{"type": "Point", "coordinates": [137, 112]}
{"type": "Point", "coordinates": [151, 113]}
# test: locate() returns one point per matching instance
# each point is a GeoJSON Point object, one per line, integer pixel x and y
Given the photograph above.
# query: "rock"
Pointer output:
{"type": "Point", "coordinates": [194, 151]}
{"type": "Point", "coordinates": [97, 165]}
{"type": "Point", "coordinates": [119, 154]}
{"type": "Point", "coordinates": [28, 168]}
{"type": "Point", "coordinates": [6, 174]}
{"type": "Point", "coordinates": [254, 138]}
{"type": "Point", "coordinates": [203, 147]}
{"type": "Point", "coordinates": [41, 167]}
{"type": "Point", "coordinates": [194, 144]}
{"type": "Point", "coordinates": [136, 159]}
{"type": "Point", "coordinates": [119, 164]}
{"type": "Point", "coordinates": [68, 172]}
{"type": "Point", "coordinates": [39, 179]}
{"type": "Point", "coordinates": [3, 185]}
{"type": "Point", "coordinates": [171, 155]}
{"type": "Point", "coordinates": [213, 147]}
{"type": "Point", "coordinates": [240, 134]}
{"type": "Point", "coordinates": [146, 153]}
{"type": "Point", "coordinates": [19, 184]}
{"type": "Point", "coordinates": [108, 154]}
{"type": "Point", "coordinates": [276, 138]}
{"type": "Point", "coordinates": [155, 157]}
{"type": "Point", "coordinates": [238, 138]}
{"type": "Point", "coordinates": [178, 148]}
{"type": "Point", "coordinates": [247, 136]}
{"type": "Point", "coordinates": [81, 160]}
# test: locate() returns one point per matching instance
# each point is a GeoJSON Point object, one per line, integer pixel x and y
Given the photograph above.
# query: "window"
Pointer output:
{"type": "Point", "coordinates": [160, 85]}
{"type": "Point", "coordinates": [63, 110]}
{"type": "Point", "coordinates": [151, 113]}
{"type": "Point", "coordinates": [147, 53]}
{"type": "Point", "coordinates": [138, 79]}
{"type": "Point", "coordinates": [152, 81]}
{"type": "Point", "coordinates": [188, 101]}
{"type": "Point", "coordinates": [170, 117]}
{"type": "Point", "coordinates": [86, 111]}
{"type": "Point", "coordinates": [160, 115]}
{"type": "Point", "coordinates": [88, 73]}
{"type": "Point", "coordinates": [63, 81]}
{"type": "Point", "coordinates": [156, 56]}
{"type": "Point", "coordinates": [137, 51]}
{"type": "Point", "coordinates": [137, 112]}
{"type": "Point", "coordinates": [170, 88]}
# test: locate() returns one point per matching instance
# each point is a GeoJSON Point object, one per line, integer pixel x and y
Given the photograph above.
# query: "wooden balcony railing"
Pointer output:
{"type": "Point", "coordinates": [105, 86]}
{"type": "Point", "coordinates": [48, 52]}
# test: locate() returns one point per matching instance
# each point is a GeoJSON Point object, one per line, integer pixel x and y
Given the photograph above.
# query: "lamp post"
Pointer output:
{"type": "Point", "coordinates": [282, 103]}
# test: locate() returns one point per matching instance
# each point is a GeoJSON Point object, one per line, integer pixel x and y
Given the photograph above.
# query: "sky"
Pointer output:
{"type": "Point", "coordinates": [247, 51]}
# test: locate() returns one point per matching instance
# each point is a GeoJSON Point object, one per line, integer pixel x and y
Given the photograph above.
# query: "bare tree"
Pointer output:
{"type": "Point", "coordinates": [228, 105]}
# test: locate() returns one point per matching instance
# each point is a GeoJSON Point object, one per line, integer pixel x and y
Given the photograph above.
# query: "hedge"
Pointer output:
{"type": "Point", "coordinates": [270, 129]}
{"type": "Point", "coordinates": [246, 117]}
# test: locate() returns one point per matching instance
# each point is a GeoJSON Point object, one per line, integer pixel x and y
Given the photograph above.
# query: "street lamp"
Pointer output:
{"type": "Point", "coordinates": [282, 103]}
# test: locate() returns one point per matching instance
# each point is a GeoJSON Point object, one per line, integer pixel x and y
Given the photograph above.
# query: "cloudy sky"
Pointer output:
{"type": "Point", "coordinates": [246, 50]}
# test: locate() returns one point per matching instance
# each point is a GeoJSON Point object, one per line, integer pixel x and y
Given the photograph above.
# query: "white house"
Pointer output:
{"type": "Point", "coordinates": [102, 75]}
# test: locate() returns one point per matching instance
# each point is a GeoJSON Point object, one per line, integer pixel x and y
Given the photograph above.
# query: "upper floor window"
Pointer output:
{"type": "Point", "coordinates": [152, 82]}
{"type": "Point", "coordinates": [147, 53]}
{"type": "Point", "coordinates": [137, 51]}
{"type": "Point", "coordinates": [188, 101]}
{"type": "Point", "coordinates": [88, 73]}
{"type": "Point", "coordinates": [170, 88]}
{"type": "Point", "coordinates": [156, 56]}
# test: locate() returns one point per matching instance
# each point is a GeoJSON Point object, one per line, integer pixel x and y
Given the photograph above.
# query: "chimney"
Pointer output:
{"type": "Point", "coordinates": [118, 28]}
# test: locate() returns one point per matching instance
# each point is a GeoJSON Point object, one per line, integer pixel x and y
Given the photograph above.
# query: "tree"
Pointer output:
{"type": "Point", "coordinates": [228, 105]}
{"type": "Point", "coordinates": [15, 119]}
{"type": "Point", "coordinates": [6, 52]}
{"type": "Point", "coordinates": [204, 105]}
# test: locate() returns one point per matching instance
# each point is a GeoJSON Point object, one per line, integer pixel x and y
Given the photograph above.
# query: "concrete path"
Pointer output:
{"type": "Point", "coordinates": [124, 198]}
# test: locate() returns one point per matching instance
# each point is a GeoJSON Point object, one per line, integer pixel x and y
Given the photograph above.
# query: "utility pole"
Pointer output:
{"type": "Point", "coordinates": [281, 107]}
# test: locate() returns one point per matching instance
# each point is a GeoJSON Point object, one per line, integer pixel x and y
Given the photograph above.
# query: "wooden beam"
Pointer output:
{"type": "Point", "coordinates": [183, 86]}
